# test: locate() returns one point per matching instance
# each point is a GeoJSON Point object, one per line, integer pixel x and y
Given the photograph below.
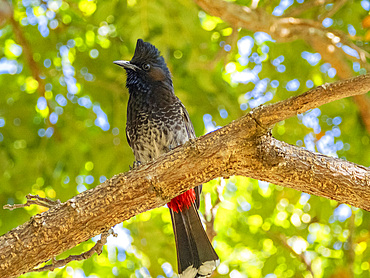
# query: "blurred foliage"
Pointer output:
{"type": "Point", "coordinates": [62, 129]}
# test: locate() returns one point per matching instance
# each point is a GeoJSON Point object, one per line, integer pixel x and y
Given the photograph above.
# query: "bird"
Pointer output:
{"type": "Point", "coordinates": [157, 122]}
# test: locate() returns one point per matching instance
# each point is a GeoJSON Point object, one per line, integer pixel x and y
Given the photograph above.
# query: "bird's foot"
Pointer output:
{"type": "Point", "coordinates": [171, 147]}
{"type": "Point", "coordinates": [135, 165]}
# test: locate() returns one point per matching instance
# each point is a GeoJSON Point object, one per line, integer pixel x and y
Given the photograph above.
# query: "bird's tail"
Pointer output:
{"type": "Point", "coordinates": [195, 254]}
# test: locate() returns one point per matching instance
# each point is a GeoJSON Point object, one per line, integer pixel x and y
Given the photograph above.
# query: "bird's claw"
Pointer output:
{"type": "Point", "coordinates": [136, 164]}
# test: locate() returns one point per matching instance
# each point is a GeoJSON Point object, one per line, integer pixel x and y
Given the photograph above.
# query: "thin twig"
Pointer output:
{"type": "Point", "coordinates": [282, 239]}
{"type": "Point", "coordinates": [351, 255]}
{"type": "Point", "coordinates": [97, 248]}
{"type": "Point", "coordinates": [222, 53]}
{"type": "Point", "coordinates": [296, 11]}
{"type": "Point", "coordinates": [347, 41]}
{"type": "Point", "coordinates": [28, 55]}
{"type": "Point", "coordinates": [335, 8]}
{"type": "Point", "coordinates": [34, 200]}
{"type": "Point", "coordinates": [211, 210]}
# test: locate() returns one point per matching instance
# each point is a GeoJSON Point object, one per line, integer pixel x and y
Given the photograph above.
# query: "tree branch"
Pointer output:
{"type": "Point", "coordinates": [211, 210]}
{"type": "Point", "coordinates": [97, 248]}
{"type": "Point", "coordinates": [244, 147]}
{"type": "Point", "coordinates": [311, 99]}
{"type": "Point", "coordinates": [337, 5]}
{"type": "Point", "coordinates": [283, 241]}
{"type": "Point", "coordinates": [34, 200]}
{"type": "Point", "coordinates": [285, 29]}
{"type": "Point", "coordinates": [304, 7]}
{"type": "Point", "coordinates": [34, 67]}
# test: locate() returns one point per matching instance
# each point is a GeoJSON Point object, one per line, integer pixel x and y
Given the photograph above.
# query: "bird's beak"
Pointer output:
{"type": "Point", "coordinates": [126, 65]}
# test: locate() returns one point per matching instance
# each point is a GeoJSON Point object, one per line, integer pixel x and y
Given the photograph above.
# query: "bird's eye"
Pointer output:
{"type": "Point", "coordinates": [146, 66]}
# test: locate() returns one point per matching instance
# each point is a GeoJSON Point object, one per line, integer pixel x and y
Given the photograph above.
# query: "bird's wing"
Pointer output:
{"type": "Point", "coordinates": [188, 123]}
{"type": "Point", "coordinates": [191, 135]}
{"type": "Point", "coordinates": [128, 138]}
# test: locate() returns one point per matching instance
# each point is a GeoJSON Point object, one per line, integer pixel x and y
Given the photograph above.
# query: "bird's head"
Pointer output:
{"type": "Point", "coordinates": [146, 68]}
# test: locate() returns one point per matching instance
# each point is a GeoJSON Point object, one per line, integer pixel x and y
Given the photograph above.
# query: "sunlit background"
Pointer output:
{"type": "Point", "coordinates": [63, 113]}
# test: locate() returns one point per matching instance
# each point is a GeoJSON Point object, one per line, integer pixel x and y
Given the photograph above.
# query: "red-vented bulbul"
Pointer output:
{"type": "Point", "coordinates": [157, 121]}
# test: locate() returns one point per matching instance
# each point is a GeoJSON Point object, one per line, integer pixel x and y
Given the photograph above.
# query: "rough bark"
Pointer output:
{"type": "Point", "coordinates": [244, 147]}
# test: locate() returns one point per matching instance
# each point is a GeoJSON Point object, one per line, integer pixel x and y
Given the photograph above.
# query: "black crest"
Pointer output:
{"type": "Point", "coordinates": [157, 121]}
{"type": "Point", "coordinates": [146, 52]}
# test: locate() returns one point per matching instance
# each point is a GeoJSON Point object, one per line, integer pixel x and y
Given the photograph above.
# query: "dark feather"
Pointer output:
{"type": "Point", "coordinates": [157, 122]}
{"type": "Point", "coordinates": [193, 246]}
